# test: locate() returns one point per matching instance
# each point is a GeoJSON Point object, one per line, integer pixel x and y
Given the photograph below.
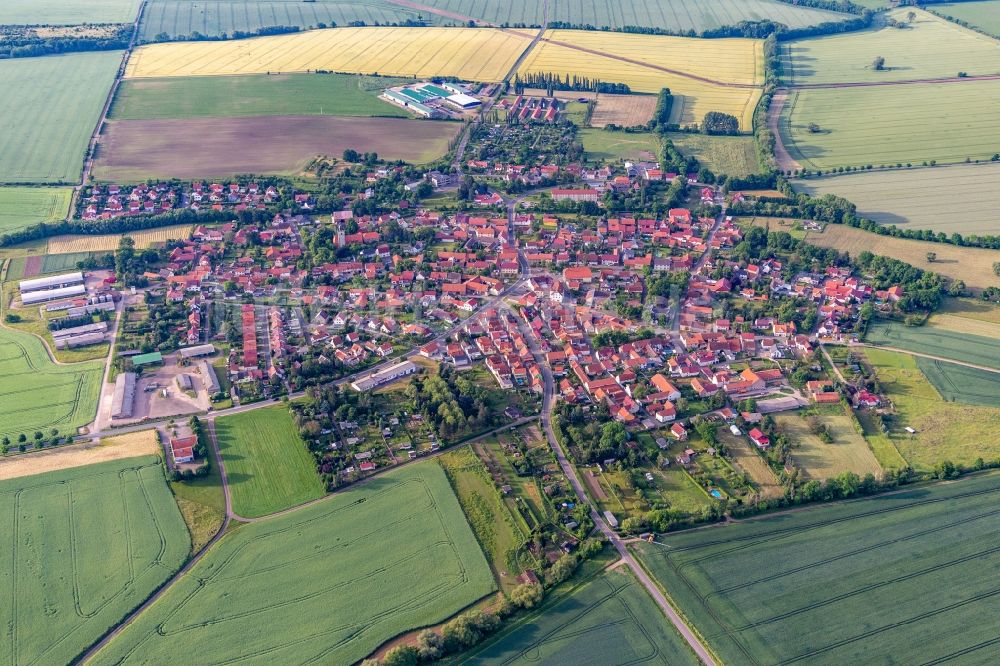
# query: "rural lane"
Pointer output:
{"type": "Point", "coordinates": [88, 163]}
{"type": "Point", "coordinates": [548, 406]}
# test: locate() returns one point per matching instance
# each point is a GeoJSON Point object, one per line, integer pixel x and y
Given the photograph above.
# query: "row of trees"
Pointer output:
{"type": "Point", "coordinates": [24, 42]}
{"type": "Point", "coordinates": [552, 81]}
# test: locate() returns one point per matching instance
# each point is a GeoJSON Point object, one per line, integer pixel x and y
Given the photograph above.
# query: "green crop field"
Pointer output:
{"type": "Point", "coordinates": [604, 146]}
{"type": "Point", "coordinates": [36, 394]}
{"type": "Point", "coordinates": [22, 207]}
{"type": "Point", "coordinates": [947, 200]}
{"type": "Point", "coordinates": [324, 584]}
{"type": "Point", "coordinates": [869, 581]}
{"type": "Point", "coordinates": [928, 48]}
{"type": "Point", "coordinates": [889, 125]}
{"type": "Point", "coordinates": [58, 263]}
{"type": "Point", "coordinates": [608, 620]}
{"type": "Point", "coordinates": [944, 430]}
{"type": "Point", "coordinates": [957, 383]}
{"type": "Point", "coordinates": [67, 12]}
{"type": "Point", "coordinates": [933, 341]}
{"type": "Point", "coordinates": [254, 95]}
{"type": "Point", "coordinates": [48, 123]}
{"type": "Point", "coordinates": [180, 18]}
{"type": "Point", "coordinates": [984, 15]}
{"type": "Point", "coordinates": [82, 548]}
{"type": "Point", "coordinates": [673, 15]}
{"type": "Point", "coordinates": [269, 466]}
{"type": "Point", "coordinates": [730, 155]}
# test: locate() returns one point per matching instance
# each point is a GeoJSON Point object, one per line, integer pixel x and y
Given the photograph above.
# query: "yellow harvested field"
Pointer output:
{"type": "Point", "coordinates": [108, 242]}
{"type": "Point", "coordinates": [473, 54]}
{"type": "Point", "coordinates": [703, 74]}
{"type": "Point", "coordinates": [77, 455]}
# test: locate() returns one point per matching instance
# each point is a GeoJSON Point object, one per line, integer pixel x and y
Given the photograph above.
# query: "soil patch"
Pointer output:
{"type": "Point", "coordinates": [221, 147]}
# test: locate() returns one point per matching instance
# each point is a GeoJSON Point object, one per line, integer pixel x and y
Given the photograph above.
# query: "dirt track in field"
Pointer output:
{"type": "Point", "coordinates": [781, 154]}
{"type": "Point", "coordinates": [221, 147]}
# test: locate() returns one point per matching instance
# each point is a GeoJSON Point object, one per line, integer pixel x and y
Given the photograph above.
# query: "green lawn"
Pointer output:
{"type": "Point", "coordinates": [48, 123]}
{"type": "Point", "coordinates": [984, 15]}
{"type": "Point", "coordinates": [730, 155]}
{"type": "Point", "coordinates": [254, 95]}
{"type": "Point", "coordinates": [944, 430]}
{"type": "Point", "coordinates": [67, 12]}
{"type": "Point", "coordinates": [889, 125]}
{"type": "Point", "coordinates": [324, 584]}
{"type": "Point", "coordinates": [82, 548]}
{"type": "Point", "coordinates": [36, 394]}
{"type": "Point", "coordinates": [268, 465]}
{"type": "Point", "coordinates": [22, 207]}
{"type": "Point", "coordinates": [952, 345]}
{"type": "Point", "coordinates": [892, 579]}
{"type": "Point", "coordinates": [929, 47]}
{"type": "Point", "coordinates": [495, 528]}
{"type": "Point", "coordinates": [604, 146]}
{"type": "Point", "coordinates": [608, 620]}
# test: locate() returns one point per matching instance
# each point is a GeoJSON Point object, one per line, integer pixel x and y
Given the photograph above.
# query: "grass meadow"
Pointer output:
{"type": "Point", "coordinates": [82, 548]}
{"type": "Point", "coordinates": [984, 14]}
{"type": "Point", "coordinates": [48, 123]}
{"type": "Point", "coordinates": [67, 12]}
{"type": "Point", "coordinates": [942, 342]}
{"type": "Point", "coordinates": [609, 620]}
{"type": "Point", "coordinates": [745, 459]}
{"type": "Point", "coordinates": [601, 145]}
{"type": "Point", "coordinates": [866, 581]}
{"type": "Point", "coordinates": [494, 526]}
{"type": "Point", "coordinates": [889, 125]}
{"type": "Point", "coordinates": [328, 583]}
{"type": "Point", "coordinates": [944, 430]}
{"type": "Point", "coordinates": [22, 207]}
{"type": "Point", "coordinates": [946, 200]}
{"type": "Point", "coordinates": [202, 503]}
{"type": "Point", "coordinates": [849, 451]}
{"type": "Point", "coordinates": [614, 57]}
{"type": "Point", "coordinates": [974, 266]}
{"type": "Point", "coordinates": [254, 95]}
{"type": "Point", "coordinates": [36, 394]}
{"type": "Point", "coordinates": [466, 53]}
{"type": "Point", "coordinates": [730, 155]}
{"type": "Point", "coordinates": [180, 18]}
{"type": "Point", "coordinates": [968, 315]}
{"type": "Point", "coordinates": [958, 383]}
{"type": "Point", "coordinates": [268, 465]}
{"type": "Point", "coordinates": [928, 48]}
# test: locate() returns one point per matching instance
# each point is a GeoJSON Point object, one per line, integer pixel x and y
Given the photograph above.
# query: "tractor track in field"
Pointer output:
{"type": "Point", "coordinates": [900, 82]}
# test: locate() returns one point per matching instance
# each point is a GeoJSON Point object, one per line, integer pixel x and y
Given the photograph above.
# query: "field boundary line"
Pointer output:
{"type": "Point", "coordinates": [901, 82]}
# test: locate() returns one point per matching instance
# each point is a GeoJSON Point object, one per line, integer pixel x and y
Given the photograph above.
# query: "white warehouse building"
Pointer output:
{"type": "Point", "coordinates": [45, 295]}
{"type": "Point", "coordinates": [51, 282]}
